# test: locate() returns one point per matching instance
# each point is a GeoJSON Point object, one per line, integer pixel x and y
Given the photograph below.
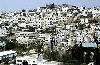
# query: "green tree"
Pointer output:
{"type": "Point", "coordinates": [67, 57]}
{"type": "Point", "coordinates": [15, 24]}
{"type": "Point", "coordinates": [77, 53]}
{"type": "Point", "coordinates": [10, 29]}
{"type": "Point", "coordinates": [22, 46]}
{"type": "Point", "coordinates": [65, 14]}
{"type": "Point", "coordinates": [39, 47]}
{"type": "Point", "coordinates": [10, 45]}
{"type": "Point", "coordinates": [48, 30]}
{"type": "Point", "coordinates": [93, 21]}
{"type": "Point", "coordinates": [6, 60]}
{"type": "Point", "coordinates": [76, 13]}
{"type": "Point", "coordinates": [1, 47]}
{"type": "Point", "coordinates": [51, 55]}
{"type": "Point", "coordinates": [6, 24]}
{"type": "Point", "coordinates": [77, 21]}
{"type": "Point", "coordinates": [3, 59]}
{"type": "Point", "coordinates": [97, 56]}
{"type": "Point", "coordinates": [31, 29]}
{"type": "Point", "coordinates": [90, 15]}
{"type": "Point", "coordinates": [82, 26]}
{"type": "Point", "coordinates": [13, 57]}
{"type": "Point", "coordinates": [39, 16]}
{"type": "Point", "coordinates": [88, 54]}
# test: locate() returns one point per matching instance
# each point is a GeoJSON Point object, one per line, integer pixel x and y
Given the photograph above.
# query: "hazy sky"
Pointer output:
{"type": "Point", "coordinates": [18, 5]}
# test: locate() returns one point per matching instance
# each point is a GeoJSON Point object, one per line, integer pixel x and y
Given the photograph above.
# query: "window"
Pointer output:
{"type": "Point", "coordinates": [19, 60]}
{"type": "Point", "coordinates": [33, 61]}
{"type": "Point", "coordinates": [46, 40]}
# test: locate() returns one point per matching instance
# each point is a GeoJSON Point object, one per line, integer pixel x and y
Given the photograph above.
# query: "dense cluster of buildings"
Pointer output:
{"type": "Point", "coordinates": [56, 26]}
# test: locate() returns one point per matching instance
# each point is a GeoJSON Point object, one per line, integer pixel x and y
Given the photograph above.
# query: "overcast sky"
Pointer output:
{"type": "Point", "coordinates": [18, 5]}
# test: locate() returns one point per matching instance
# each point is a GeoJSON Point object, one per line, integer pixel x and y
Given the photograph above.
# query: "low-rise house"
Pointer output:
{"type": "Point", "coordinates": [48, 41]}
{"type": "Point", "coordinates": [35, 59]}
{"type": "Point", "coordinates": [97, 36]}
{"type": "Point", "coordinates": [3, 31]}
{"type": "Point", "coordinates": [89, 45]}
{"type": "Point", "coordinates": [70, 27]}
{"type": "Point", "coordinates": [79, 37]}
{"type": "Point", "coordinates": [7, 54]}
{"type": "Point", "coordinates": [24, 38]}
{"type": "Point", "coordinates": [84, 21]}
{"type": "Point", "coordinates": [2, 43]}
{"type": "Point", "coordinates": [64, 9]}
{"type": "Point", "coordinates": [84, 12]}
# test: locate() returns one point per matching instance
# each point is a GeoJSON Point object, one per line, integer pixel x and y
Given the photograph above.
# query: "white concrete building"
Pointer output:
{"type": "Point", "coordinates": [2, 43]}
{"type": "Point", "coordinates": [84, 21]}
{"type": "Point", "coordinates": [64, 9]}
{"type": "Point", "coordinates": [35, 59]}
{"type": "Point", "coordinates": [23, 38]}
{"type": "Point", "coordinates": [8, 54]}
{"type": "Point", "coordinates": [47, 41]}
{"type": "Point", "coordinates": [70, 27]}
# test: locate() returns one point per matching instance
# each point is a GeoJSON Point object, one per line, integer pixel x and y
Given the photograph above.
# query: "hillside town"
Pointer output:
{"type": "Point", "coordinates": [50, 35]}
